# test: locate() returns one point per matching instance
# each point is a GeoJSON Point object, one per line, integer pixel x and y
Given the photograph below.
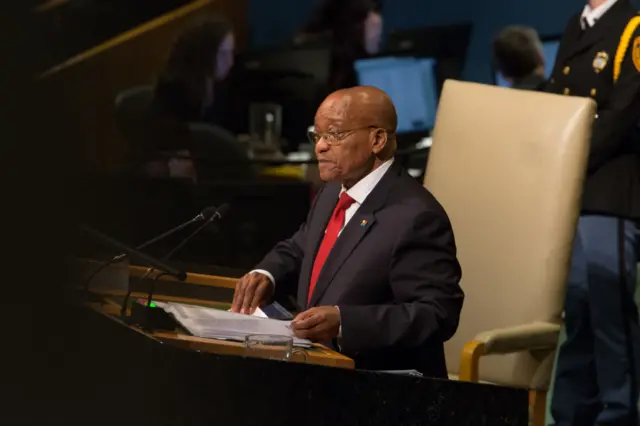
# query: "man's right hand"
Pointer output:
{"type": "Point", "coordinates": [252, 290]}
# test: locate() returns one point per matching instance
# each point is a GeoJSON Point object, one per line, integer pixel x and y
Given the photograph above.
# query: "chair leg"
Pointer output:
{"type": "Point", "coordinates": [537, 407]}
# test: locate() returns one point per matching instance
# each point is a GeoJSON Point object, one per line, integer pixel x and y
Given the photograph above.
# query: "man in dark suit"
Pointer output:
{"type": "Point", "coordinates": [375, 262]}
{"type": "Point", "coordinates": [598, 366]}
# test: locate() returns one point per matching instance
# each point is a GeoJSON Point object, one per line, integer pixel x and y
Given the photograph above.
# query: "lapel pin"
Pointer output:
{"type": "Point", "coordinates": [363, 223]}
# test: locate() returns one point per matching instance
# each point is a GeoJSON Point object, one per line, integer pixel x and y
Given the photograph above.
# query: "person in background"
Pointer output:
{"type": "Point", "coordinates": [375, 263]}
{"type": "Point", "coordinates": [598, 366]}
{"type": "Point", "coordinates": [354, 30]}
{"type": "Point", "coordinates": [518, 56]}
{"type": "Point", "coordinates": [200, 58]}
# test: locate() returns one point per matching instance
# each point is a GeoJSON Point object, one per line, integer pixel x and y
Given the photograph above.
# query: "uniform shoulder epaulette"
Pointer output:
{"type": "Point", "coordinates": [623, 46]}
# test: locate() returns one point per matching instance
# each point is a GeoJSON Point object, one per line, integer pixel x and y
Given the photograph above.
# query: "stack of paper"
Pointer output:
{"type": "Point", "coordinates": [217, 324]}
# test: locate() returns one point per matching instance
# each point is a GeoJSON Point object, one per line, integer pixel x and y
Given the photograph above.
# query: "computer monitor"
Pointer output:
{"type": "Point", "coordinates": [550, 47]}
{"type": "Point", "coordinates": [411, 85]}
{"type": "Point", "coordinates": [447, 44]}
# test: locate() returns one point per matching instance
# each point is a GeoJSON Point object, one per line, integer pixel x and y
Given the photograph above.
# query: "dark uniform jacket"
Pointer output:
{"type": "Point", "coordinates": [585, 67]}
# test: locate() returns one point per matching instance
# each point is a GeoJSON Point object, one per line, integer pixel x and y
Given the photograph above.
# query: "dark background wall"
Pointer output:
{"type": "Point", "coordinates": [276, 21]}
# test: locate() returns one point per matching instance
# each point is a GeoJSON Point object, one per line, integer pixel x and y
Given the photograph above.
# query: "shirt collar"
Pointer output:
{"type": "Point", "coordinates": [593, 15]}
{"type": "Point", "coordinates": [361, 190]}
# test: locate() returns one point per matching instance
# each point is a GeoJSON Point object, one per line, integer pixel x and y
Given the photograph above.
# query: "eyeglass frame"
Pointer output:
{"type": "Point", "coordinates": [338, 136]}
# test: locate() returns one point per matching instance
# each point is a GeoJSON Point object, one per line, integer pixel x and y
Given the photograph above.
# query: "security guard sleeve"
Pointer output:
{"type": "Point", "coordinates": [620, 113]}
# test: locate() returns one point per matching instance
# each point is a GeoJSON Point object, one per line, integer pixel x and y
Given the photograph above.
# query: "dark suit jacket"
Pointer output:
{"type": "Point", "coordinates": [393, 273]}
{"type": "Point", "coordinates": [613, 176]}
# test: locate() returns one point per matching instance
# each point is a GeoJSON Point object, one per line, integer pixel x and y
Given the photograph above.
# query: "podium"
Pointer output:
{"type": "Point", "coordinates": [172, 378]}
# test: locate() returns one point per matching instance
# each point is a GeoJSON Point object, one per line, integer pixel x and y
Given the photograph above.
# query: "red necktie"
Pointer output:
{"type": "Point", "coordinates": [330, 236]}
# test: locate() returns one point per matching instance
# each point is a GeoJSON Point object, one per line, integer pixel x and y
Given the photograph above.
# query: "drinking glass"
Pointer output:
{"type": "Point", "coordinates": [271, 346]}
{"type": "Point", "coordinates": [265, 124]}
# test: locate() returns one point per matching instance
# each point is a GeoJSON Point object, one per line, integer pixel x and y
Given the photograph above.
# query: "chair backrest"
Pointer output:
{"type": "Point", "coordinates": [508, 167]}
{"type": "Point", "coordinates": [219, 154]}
{"type": "Point", "coordinates": [133, 105]}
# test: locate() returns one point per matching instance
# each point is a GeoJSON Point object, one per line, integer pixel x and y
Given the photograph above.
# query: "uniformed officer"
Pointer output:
{"type": "Point", "coordinates": [598, 366]}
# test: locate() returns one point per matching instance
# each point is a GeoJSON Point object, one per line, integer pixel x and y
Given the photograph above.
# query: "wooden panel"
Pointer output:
{"type": "Point", "coordinates": [83, 89]}
{"type": "Point", "coordinates": [48, 5]}
{"type": "Point", "coordinates": [318, 354]}
{"type": "Point", "coordinates": [199, 279]}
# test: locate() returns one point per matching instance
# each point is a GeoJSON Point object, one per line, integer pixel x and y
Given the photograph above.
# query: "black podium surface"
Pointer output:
{"type": "Point", "coordinates": [107, 373]}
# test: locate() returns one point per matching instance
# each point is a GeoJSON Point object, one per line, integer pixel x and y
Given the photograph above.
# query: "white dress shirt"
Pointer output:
{"type": "Point", "coordinates": [359, 192]}
{"type": "Point", "coordinates": [591, 16]}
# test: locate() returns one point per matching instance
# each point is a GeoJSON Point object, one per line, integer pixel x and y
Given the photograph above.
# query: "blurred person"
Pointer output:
{"type": "Point", "coordinates": [598, 366]}
{"type": "Point", "coordinates": [518, 55]}
{"type": "Point", "coordinates": [201, 57]}
{"type": "Point", "coordinates": [375, 264]}
{"type": "Point", "coordinates": [354, 30]}
{"type": "Point", "coordinates": [185, 94]}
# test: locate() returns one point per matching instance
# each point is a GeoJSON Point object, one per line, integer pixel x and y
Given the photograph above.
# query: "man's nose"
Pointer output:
{"type": "Point", "coordinates": [321, 146]}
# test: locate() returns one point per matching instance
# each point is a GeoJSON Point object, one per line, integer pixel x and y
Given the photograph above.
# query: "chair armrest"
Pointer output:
{"type": "Point", "coordinates": [527, 337]}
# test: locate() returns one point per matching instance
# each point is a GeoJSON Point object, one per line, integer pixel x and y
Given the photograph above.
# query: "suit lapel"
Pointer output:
{"type": "Point", "coordinates": [352, 235]}
{"type": "Point", "coordinates": [574, 40]}
{"type": "Point", "coordinates": [599, 31]}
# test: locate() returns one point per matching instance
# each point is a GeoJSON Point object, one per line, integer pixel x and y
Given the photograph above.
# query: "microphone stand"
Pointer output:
{"type": "Point", "coordinates": [136, 254]}
{"type": "Point", "coordinates": [201, 216]}
{"type": "Point", "coordinates": [123, 309]}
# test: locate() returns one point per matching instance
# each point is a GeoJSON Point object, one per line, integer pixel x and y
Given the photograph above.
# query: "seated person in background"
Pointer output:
{"type": "Point", "coordinates": [375, 263]}
{"type": "Point", "coordinates": [167, 144]}
{"type": "Point", "coordinates": [518, 55]}
{"type": "Point", "coordinates": [354, 31]}
{"type": "Point", "coordinates": [201, 57]}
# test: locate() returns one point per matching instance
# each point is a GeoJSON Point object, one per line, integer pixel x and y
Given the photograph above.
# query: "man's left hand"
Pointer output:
{"type": "Point", "coordinates": [317, 324]}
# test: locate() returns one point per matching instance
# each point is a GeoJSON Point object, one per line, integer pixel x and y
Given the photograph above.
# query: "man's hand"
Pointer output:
{"type": "Point", "coordinates": [252, 290]}
{"type": "Point", "coordinates": [317, 324]}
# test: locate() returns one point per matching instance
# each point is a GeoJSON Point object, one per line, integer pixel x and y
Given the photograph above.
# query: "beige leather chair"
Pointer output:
{"type": "Point", "coordinates": [508, 167]}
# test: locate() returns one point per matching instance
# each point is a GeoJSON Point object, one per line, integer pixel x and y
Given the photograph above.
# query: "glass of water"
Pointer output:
{"type": "Point", "coordinates": [270, 346]}
{"type": "Point", "coordinates": [265, 124]}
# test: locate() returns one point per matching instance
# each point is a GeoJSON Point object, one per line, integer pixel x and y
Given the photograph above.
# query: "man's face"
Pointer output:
{"type": "Point", "coordinates": [344, 150]}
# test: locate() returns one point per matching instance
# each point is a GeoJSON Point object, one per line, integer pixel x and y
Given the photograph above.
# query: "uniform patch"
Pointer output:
{"type": "Point", "coordinates": [600, 61]}
{"type": "Point", "coordinates": [635, 53]}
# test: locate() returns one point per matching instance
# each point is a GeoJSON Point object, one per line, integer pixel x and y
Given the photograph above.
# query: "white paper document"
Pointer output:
{"type": "Point", "coordinates": [217, 324]}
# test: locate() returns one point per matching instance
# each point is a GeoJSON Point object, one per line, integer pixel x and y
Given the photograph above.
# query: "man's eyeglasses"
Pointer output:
{"type": "Point", "coordinates": [334, 138]}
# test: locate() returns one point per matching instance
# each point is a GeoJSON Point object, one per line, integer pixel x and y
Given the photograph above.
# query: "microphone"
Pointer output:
{"type": "Point", "coordinates": [205, 214]}
{"type": "Point", "coordinates": [218, 214]}
{"type": "Point", "coordinates": [220, 211]}
{"type": "Point", "coordinates": [136, 254]}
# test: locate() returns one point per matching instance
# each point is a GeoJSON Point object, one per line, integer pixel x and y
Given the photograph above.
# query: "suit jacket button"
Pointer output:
{"type": "Point", "coordinates": [566, 91]}
{"type": "Point", "coordinates": [593, 92]}
{"type": "Point", "coordinates": [566, 70]}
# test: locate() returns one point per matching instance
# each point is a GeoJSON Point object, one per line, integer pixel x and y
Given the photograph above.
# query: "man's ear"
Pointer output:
{"type": "Point", "coordinates": [380, 138]}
